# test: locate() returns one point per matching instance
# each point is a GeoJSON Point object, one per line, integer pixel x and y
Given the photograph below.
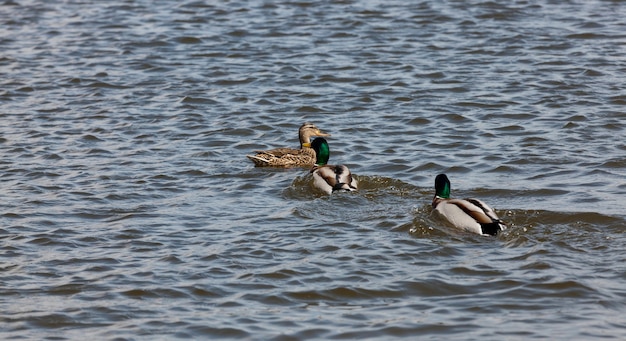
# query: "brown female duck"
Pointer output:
{"type": "Point", "coordinates": [290, 157]}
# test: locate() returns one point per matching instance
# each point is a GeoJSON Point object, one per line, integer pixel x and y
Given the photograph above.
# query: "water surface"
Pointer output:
{"type": "Point", "coordinates": [129, 209]}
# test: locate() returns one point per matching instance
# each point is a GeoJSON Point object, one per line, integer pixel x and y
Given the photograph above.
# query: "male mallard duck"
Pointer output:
{"type": "Point", "coordinates": [330, 178]}
{"type": "Point", "coordinates": [468, 214]}
{"type": "Point", "coordinates": [290, 157]}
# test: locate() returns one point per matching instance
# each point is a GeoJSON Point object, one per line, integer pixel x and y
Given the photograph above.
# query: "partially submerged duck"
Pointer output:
{"type": "Point", "coordinates": [330, 178]}
{"type": "Point", "coordinates": [467, 214]}
{"type": "Point", "coordinates": [290, 157]}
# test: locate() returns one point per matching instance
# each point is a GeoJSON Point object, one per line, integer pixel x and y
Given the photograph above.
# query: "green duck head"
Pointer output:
{"type": "Point", "coordinates": [322, 152]}
{"type": "Point", "coordinates": [442, 186]}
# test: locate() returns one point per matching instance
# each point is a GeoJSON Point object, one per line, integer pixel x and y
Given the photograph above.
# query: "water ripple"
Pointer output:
{"type": "Point", "coordinates": [130, 211]}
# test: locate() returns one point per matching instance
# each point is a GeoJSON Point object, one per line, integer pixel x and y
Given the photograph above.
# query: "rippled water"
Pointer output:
{"type": "Point", "coordinates": [129, 210]}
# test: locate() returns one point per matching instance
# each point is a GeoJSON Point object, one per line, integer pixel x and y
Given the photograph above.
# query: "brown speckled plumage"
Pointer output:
{"type": "Point", "coordinates": [290, 157]}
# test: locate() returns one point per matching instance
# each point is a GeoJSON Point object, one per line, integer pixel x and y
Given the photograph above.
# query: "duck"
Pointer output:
{"type": "Point", "coordinates": [471, 215]}
{"type": "Point", "coordinates": [330, 178]}
{"type": "Point", "coordinates": [290, 157]}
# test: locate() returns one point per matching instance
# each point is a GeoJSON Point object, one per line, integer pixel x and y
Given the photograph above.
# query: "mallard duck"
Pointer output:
{"type": "Point", "coordinates": [468, 214]}
{"type": "Point", "coordinates": [330, 178]}
{"type": "Point", "coordinates": [290, 157]}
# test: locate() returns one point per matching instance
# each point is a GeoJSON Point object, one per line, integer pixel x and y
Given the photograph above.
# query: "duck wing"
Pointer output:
{"type": "Point", "coordinates": [283, 157]}
{"type": "Point", "coordinates": [476, 216]}
{"type": "Point", "coordinates": [476, 209]}
{"type": "Point", "coordinates": [332, 178]}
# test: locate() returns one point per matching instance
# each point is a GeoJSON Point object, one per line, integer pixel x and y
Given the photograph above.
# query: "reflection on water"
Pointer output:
{"type": "Point", "coordinates": [130, 211]}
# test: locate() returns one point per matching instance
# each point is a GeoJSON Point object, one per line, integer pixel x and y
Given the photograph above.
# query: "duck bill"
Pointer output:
{"type": "Point", "coordinates": [321, 133]}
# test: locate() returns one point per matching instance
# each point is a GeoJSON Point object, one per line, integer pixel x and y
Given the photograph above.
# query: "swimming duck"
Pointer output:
{"type": "Point", "coordinates": [330, 178]}
{"type": "Point", "coordinates": [290, 157]}
{"type": "Point", "coordinates": [468, 214]}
